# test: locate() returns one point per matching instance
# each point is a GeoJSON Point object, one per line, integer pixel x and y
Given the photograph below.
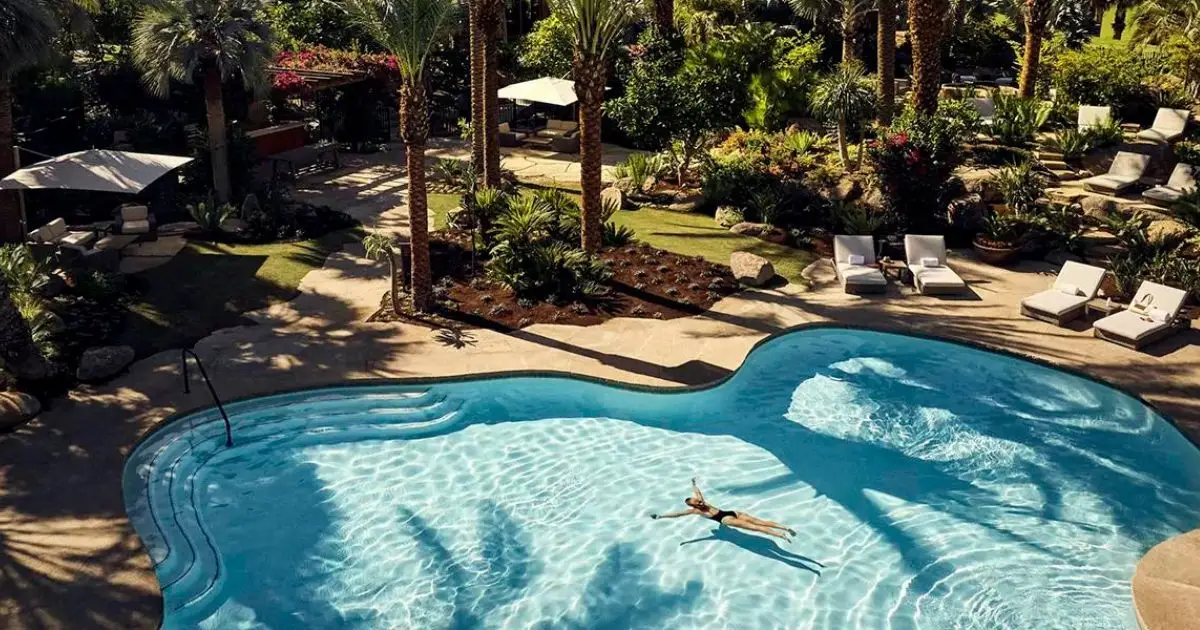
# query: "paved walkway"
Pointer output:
{"type": "Point", "coordinates": [69, 558]}
{"type": "Point", "coordinates": [533, 166]}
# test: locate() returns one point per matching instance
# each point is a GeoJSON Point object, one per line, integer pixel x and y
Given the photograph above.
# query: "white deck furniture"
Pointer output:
{"type": "Point", "coordinates": [1168, 125]}
{"type": "Point", "coordinates": [854, 264]}
{"type": "Point", "coordinates": [1075, 285]}
{"type": "Point", "coordinates": [133, 219]}
{"type": "Point", "coordinates": [1127, 168]}
{"type": "Point", "coordinates": [1150, 317]}
{"type": "Point", "coordinates": [1093, 115]}
{"type": "Point", "coordinates": [926, 257]}
{"type": "Point", "coordinates": [56, 232]}
{"type": "Point", "coordinates": [986, 108]}
{"type": "Point", "coordinates": [1182, 181]}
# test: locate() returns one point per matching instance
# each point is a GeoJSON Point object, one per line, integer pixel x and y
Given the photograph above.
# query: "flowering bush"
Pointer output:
{"type": "Point", "coordinates": [375, 66]}
{"type": "Point", "coordinates": [913, 162]}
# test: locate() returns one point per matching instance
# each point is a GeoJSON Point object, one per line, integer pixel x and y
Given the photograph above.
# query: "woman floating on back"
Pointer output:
{"type": "Point", "coordinates": [698, 506]}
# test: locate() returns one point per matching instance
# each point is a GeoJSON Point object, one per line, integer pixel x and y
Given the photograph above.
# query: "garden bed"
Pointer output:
{"type": "Point", "coordinates": [646, 282]}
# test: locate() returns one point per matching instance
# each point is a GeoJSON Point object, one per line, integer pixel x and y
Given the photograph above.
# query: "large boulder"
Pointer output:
{"type": "Point", "coordinates": [982, 182]}
{"type": "Point", "coordinates": [751, 269]}
{"type": "Point", "coordinates": [968, 212]}
{"type": "Point", "coordinates": [1166, 229]}
{"type": "Point", "coordinates": [1098, 207]}
{"type": "Point", "coordinates": [685, 201]}
{"type": "Point", "coordinates": [762, 231]}
{"type": "Point", "coordinates": [103, 362]}
{"type": "Point", "coordinates": [17, 409]}
{"type": "Point", "coordinates": [729, 216]}
{"type": "Point", "coordinates": [612, 195]}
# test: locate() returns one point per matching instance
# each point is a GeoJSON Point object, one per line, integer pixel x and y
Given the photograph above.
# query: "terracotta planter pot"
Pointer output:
{"type": "Point", "coordinates": [996, 253]}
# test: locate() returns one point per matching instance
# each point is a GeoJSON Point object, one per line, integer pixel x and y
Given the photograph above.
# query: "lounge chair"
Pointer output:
{"type": "Point", "coordinates": [57, 233]}
{"type": "Point", "coordinates": [854, 264]}
{"type": "Point", "coordinates": [1168, 126]}
{"type": "Point", "coordinates": [986, 108]}
{"type": "Point", "coordinates": [559, 128]}
{"type": "Point", "coordinates": [1075, 285]}
{"type": "Point", "coordinates": [1093, 115]}
{"type": "Point", "coordinates": [926, 257]}
{"type": "Point", "coordinates": [1150, 317]}
{"type": "Point", "coordinates": [1127, 168]}
{"type": "Point", "coordinates": [134, 220]}
{"type": "Point", "coordinates": [1182, 181]}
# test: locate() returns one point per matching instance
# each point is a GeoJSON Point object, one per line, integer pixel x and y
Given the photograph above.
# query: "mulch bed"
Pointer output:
{"type": "Point", "coordinates": [646, 283]}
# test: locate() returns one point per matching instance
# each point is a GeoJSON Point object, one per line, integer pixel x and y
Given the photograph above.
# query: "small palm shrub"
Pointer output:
{"type": "Point", "coordinates": [640, 168]}
{"type": "Point", "coordinates": [1021, 187]}
{"type": "Point", "coordinates": [847, 217]}
{"type": "Point", "coordinates": [486, 204]}
{"type": "Point", "coordinates": [209, 215]}
{"type": "Point", "coordinates": [457, 173]}
{"type": "Point", "coordinates": [1018, 119]}
{"type": "Point", "coordinates": [1072, 143]}
{"type": "Point", "coordinates": [1106, 133]}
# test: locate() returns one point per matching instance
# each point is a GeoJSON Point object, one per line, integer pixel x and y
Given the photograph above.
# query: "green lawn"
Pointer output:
{"type": "Point", "coordinates": [208, 286]}
{"type": "Point", "coordinates": [687, 234]}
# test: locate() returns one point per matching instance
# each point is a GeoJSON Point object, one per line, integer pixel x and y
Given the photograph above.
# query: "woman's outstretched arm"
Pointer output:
{"type": "Point", "coordinates": [696, 491]}
{"type": "Point", "coordinates": [674, 514]}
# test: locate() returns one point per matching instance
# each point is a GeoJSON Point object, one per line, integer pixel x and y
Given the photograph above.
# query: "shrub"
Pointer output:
{"type": "Point", "coordinates": [1072, 142]}
{"type": "Point", "coordinates": [209, 215]}
{"type": "Point", "coordinates": [528, 260]}
{"type": "Point", "coordinates": [913, 162]}
{"type": "Point", "coordinates": [1188, 152]}
{"type": "Point", "coordinates": [1107, 75]}
{"type": "Point", "coordinates": [1105, 134]}
{"type": "Point", "coordinates": [546, 50]}
{"type": "Point", "coordinates": [1021, 187]}
{"type": "Point", "coordinates": [852, 218]}
{"type": "Point", "coordinates": [640, 168]}
{"type": "Point", "coordinates": [1018, 119]}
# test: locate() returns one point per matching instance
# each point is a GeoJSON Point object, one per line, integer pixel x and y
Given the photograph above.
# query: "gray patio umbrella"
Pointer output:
{"type": "Point", "coordinates": [98, 170]}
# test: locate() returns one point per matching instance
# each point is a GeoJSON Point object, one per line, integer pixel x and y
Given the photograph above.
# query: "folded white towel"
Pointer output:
{"type": "Point", "coordinates": [1158, 315]}
{"type": "Point", "coordinates": [856, 259]}
{"type": "Point", "coordinates": [1067, 287]}
{"type": "Point", "coordinates": [931, 262]}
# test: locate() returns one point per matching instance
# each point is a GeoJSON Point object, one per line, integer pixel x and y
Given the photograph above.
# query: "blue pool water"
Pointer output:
{"type": "Point", "coordinates": [931, 486]}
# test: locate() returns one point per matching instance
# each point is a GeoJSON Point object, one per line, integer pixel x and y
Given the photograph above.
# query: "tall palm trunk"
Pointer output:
{"type": "Point", "coordinates": [926, 20]}
{"type": "Point", "coordinates": [491, 16]}
{"type": "Point", "coordinates": [414, 124]}
{"type": "Point", "coordinates": [1119, 20]}
{"type": "Point", "coordinates": [477, 69]}
{"type": "Point", "coordinates": [850, 19]}
{"type": "Point", "coordinates": [589, 83]}
{"type": "Point", "coordinates": [18, 354]}
{"type": "Point", "coordinates": [664, 16]}
{"type": "Point", "coordinates": [10, 209]}
{"type": "Point", "coordinates": [218, 148]}
{"type": "Point", "coordinates": [1037, 14]}
{"type": "Point", "coordinates": [886, 57]}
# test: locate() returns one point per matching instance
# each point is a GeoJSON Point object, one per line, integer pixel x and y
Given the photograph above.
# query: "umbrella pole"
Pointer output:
{"type": "Point", "coordinates": [20, 193]}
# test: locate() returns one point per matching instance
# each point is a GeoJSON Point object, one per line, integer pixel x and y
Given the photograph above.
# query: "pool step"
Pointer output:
{"type": "Point", "coordinates": [189, 574]}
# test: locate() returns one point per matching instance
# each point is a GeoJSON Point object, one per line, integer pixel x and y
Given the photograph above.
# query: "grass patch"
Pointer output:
{"type": "Point", "coordinates": [682, 233]}
{"type": "Point", "coordinates": [207, 286]}
{"type": "Point", "coordinates": [698, 235]}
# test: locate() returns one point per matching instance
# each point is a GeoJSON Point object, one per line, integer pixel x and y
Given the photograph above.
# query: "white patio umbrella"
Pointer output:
{"type": "Point", "coordinates": [544, 90]}
{"type": "Point", "coordinates": [98, 170]}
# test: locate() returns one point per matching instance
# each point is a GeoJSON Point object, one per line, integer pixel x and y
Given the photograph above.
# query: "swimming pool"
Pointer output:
{"type": "Point", "coordinates": [931, 485]}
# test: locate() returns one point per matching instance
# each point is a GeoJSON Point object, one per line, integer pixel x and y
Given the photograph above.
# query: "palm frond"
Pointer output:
{"type": "Point", "coordinates": [596, 24]}
{"type": "Point", "coordinates": [409, 29]}
{"type": "Point", "coordinates": [27, 30]}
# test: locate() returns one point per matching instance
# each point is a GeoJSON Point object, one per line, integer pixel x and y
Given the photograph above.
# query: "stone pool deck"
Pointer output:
{"type": "Point", "coordinates": [1166, 585]}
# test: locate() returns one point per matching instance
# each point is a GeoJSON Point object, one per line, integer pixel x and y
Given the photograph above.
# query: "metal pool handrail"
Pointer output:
{"type": "Point", "coordinates": [187, 389]}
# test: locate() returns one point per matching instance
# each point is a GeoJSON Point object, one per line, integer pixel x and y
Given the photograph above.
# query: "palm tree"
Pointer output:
{"type": "Point", "coordinates": [844, 96]}
{"type": "Point", "coordinates": [491, 15]}
{"type": "Point", "coordinates": [847, 15]}
{"type": "Point", "coordinates": [596, 24]}
{"type": "Point", "coordinates": [477, 44]}
{"type": "Point", "coordinates": [379, 246]}
{"type": "Point", "coordinates": [1036, 14]}
{"type": "Point", "coordinates": [1160, 21]}
{"type": "Point", "coordinates": [25, 40]}
{"type": "Point", "coordinates": [212, 41]}
{"type": "Point", "coordinates": [886, 59]}
{"type": "Point", "coordinates": [664, 16]}
{"type": "Point", "coordinates": [410, 30]}
{"type": "Point", "coordinates": [926, 23]}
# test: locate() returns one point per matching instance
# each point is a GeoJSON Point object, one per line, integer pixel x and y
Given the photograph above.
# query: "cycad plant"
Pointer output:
{"type": "Point", "coordinates": [410, 29]}
{"type": "Point", "coordinates": [846, 97]}
{"type": "Point", "coordinates": [210, 41]}
{"type": "Point", "coordinates": [595, 25]}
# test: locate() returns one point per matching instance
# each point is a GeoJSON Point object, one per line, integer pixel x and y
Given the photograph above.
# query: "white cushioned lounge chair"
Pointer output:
{"type": "Point", "coordinates": [1169, 125]}
{"type": "Point", "coordinates": [56, 232]}
{"type": "Point", "coordinates": [1127, 168]}
{"type": "Point", "coordinates": [1150, 317]}
{"type": "Point", "coordinates": [1093, 115]}
{"type": "Point", "coordinates": [926, 257]}
{"type": "Point", "coordinates": [854, 264]}
{"type": "Point", "coordinates": [986, 108]}
{"type": "Point", "coordinates": [1075, 285]}
{"type": "Point", "coordinates": [1183, 180]}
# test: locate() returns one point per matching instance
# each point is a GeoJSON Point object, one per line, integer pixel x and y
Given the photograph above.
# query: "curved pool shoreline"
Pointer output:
{"type": "Point", "coordinates": [310, 395]}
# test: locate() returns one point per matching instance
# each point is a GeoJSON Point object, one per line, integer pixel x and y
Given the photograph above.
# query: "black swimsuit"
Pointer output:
{"type": "Point", "coordinates": [722, 514]}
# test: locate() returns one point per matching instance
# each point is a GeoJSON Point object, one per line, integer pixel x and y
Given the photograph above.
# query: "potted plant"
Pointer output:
{"type": "Point", "coordinates": [1000, 241]}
